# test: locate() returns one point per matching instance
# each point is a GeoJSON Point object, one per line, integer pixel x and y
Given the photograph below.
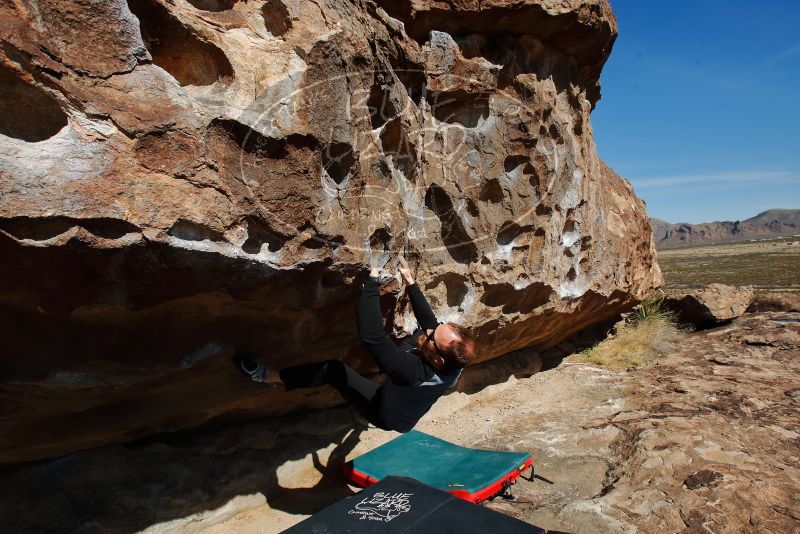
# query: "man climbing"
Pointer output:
{"type": "Point", "coordinates": [420, 370]}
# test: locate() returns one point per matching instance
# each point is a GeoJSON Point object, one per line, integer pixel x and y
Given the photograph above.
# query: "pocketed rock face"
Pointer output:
{"type": "Point", "coordinates": [181, 178]}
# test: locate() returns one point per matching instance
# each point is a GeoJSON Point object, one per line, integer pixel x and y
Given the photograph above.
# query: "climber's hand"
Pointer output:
{"type": "Point", "coordinates": [405, 271]}
{"type": "Point", "coordinates": [374, 266]}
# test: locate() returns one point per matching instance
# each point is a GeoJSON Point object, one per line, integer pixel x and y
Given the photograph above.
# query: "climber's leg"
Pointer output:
{"type": "Point", "coordinates": [357, 390]}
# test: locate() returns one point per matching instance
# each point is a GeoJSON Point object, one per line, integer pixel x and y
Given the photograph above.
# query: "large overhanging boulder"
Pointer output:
{"type": "Point", "coordinates": [182, 178]}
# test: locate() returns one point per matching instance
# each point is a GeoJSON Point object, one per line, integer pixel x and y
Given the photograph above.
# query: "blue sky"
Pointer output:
{"type": "Point", "coordinates": [700, 106]}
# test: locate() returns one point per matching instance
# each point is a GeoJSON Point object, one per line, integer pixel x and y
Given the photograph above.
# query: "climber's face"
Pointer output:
{"type": "Point", "coordinates": [435, 343]}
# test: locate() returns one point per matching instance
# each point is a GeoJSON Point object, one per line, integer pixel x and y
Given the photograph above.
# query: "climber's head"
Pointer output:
{"type": "Point", "coordinates": [448, 346]}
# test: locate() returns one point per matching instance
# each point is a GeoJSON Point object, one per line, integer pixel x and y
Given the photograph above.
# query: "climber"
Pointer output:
{"type": "Point", "coordinates": [419, 371]}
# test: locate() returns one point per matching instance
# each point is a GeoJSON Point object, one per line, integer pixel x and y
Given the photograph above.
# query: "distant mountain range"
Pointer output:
{"type": "Point", "coordinates": [771, 223]}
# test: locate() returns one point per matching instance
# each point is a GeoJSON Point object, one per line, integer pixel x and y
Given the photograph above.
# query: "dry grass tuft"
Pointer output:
{"type": "Point", "coordinates": [650, 332]}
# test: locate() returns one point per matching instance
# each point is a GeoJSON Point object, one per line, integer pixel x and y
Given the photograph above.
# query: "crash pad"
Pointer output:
{"type": "Point", "coordinates": [400, 504]}
{"type": "Point", "coordinates": [470, 474]}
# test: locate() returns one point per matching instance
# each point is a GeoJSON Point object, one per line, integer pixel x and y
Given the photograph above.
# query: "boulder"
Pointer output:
{"type": "Point", "coordinates": [712, 304]}
{"type": "Point", "coordinates": [181, 180]}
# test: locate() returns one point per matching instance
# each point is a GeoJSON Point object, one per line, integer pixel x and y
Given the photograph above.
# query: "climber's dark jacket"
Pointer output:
{"type": "Point", "coordinates": [412, 385]}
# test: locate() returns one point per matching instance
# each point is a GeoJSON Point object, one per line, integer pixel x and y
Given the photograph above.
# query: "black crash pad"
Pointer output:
{"type": "Point", "coordinates": [400, 504]}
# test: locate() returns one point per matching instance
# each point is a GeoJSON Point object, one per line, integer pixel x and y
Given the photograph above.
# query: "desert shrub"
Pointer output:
{"type": "Point", "coordinates": [652, 308]}
{"type": "Point", "coordinates": [649, 332]}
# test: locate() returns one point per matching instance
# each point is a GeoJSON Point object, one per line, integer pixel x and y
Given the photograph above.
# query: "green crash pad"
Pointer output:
{"type": "Point", "coordinates": [472, 474]}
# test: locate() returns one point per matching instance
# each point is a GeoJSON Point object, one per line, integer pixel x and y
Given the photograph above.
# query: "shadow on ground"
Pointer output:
{"type": "Point", "coordinates": [127, 488]}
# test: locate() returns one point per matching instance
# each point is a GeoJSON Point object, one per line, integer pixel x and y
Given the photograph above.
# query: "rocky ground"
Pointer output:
{"type": "Point", "coordinates": [703, 441]}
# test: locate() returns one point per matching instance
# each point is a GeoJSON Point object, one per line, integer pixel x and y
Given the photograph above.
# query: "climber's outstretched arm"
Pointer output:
{"type": "Point", "coordinates": [404, 368]}
{"type": "Point", "coordinates": [422, 310]}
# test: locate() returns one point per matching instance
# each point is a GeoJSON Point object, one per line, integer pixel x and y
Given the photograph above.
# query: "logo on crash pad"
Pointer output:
{"type": "Point", "coordinates": [382, 506]}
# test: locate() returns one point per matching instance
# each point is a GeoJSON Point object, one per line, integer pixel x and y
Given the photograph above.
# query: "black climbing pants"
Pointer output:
{"type": "Point", "coordinates": [357, 390]}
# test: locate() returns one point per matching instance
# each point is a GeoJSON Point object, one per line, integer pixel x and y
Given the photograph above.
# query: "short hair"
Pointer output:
{"type": "Point", "coordinates": [460, 352]}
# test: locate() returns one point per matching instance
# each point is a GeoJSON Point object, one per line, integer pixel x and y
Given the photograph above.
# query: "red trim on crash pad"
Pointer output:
{"type": "Point", "coordinates": [357, 477]}
{"type": "Point", "coordinates": [362, 479]}
{"type": "Point", "coordinates": [497, 487]}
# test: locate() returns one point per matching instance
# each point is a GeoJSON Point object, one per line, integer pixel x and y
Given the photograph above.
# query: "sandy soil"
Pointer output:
{"type": "Point", "coordinates": [533, 414]}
